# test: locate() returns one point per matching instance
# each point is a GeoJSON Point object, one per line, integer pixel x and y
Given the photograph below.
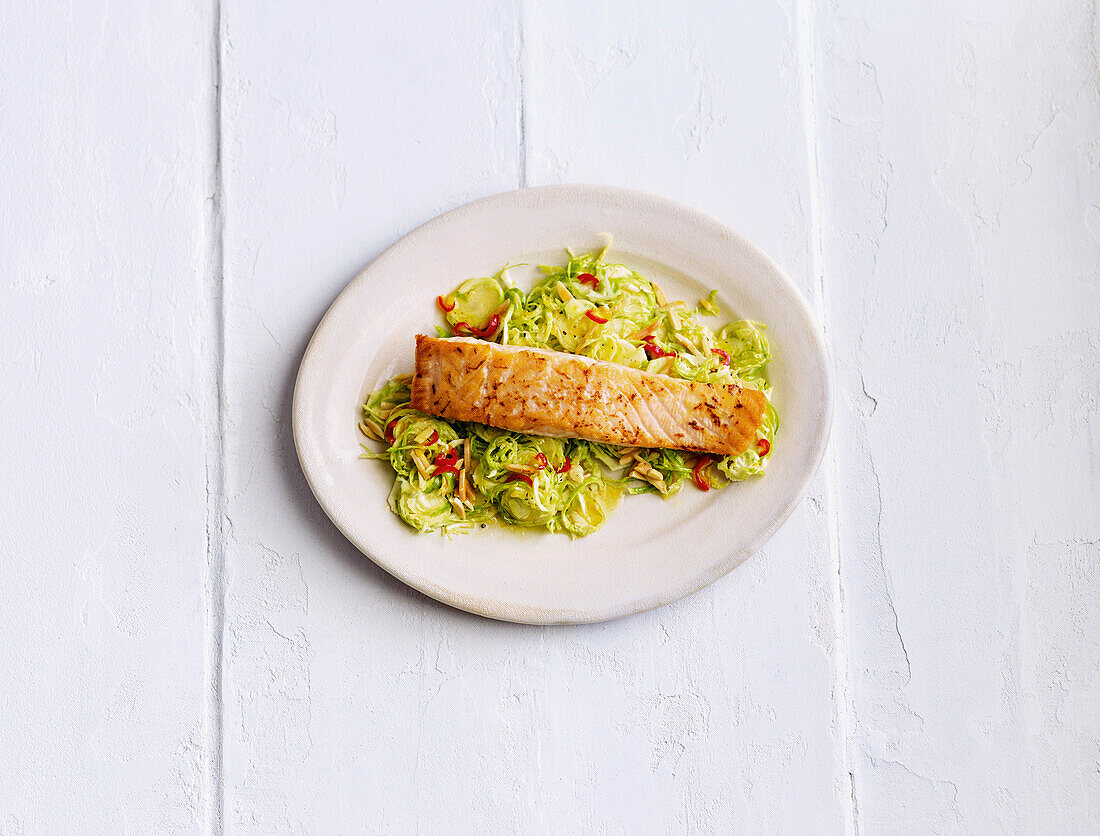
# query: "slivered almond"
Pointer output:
{"type": "Point", "coordinates": [653, 478]}
{"type": "Point", "coordinates": [689, 345]}
{"type": "Point", "coordinates": [660, 294]}
{"type": "Point", "coordinates": [423, 435]}
{"type": "Point", "coordinates": [674, 318]}
{"type": "Point", "coordinates": [420, 462]}
{"type": "Point", "coordinates": [645, 332]}
{"type": "Point", "coordinates": [460, 509]}
{"type": "Point", "coordinates": [466, 453]}
{"type": "Point", "coordinates": [369, 431]}
{"type": "Point", "coordinates": [462, 485]}
{"type": "Point", "coordinates": [563, 293]}
{"type": "Point", "coordinates": [518, 468]}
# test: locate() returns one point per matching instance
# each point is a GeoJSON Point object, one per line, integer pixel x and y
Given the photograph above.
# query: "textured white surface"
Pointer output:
{"type": "Point", "coordinates": [105, 154]}
{"type": "Point", "coordinates": [187, 644]}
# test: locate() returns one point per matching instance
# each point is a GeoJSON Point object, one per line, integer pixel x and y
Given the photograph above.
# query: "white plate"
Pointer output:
{"type": "Point", "coordinates": [650, 552]}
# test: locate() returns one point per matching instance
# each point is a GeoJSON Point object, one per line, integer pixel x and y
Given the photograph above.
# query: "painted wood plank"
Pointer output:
{"type": "Point", "coordinates": [959, 149]}
{"type": "Point", "coordinates": [107, 158]}
{"type": "Point", "coordinates": [349, 699]}
{"type": "Point", "coordinates": [721, 710]}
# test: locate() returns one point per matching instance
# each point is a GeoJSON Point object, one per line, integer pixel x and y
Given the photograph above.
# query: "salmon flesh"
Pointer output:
{"type": "Point", "coordinates": [532, 390]}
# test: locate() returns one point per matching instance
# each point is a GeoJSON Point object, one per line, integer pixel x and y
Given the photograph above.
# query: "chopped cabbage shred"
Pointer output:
{"type": "Point", "coordinates": [523, 480]}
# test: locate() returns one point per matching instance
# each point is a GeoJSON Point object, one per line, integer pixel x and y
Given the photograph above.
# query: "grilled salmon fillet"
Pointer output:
{"type": "Point", "coordinates": [532, 390]}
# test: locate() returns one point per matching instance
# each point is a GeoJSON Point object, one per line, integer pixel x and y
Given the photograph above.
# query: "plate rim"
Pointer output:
{"type": "Point", "coordinates": [503, 610]}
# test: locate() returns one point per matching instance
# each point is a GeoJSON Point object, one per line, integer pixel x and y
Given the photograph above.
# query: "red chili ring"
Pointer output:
{"type": "Point", "coordinates": [565, 467]}
{"type": "Point", "coordinates": [543, 463]}
{"type": "Point", "coordinates": [767, 447]}
{"type": "Point", "coordinates": [588, 278]}
{"type": "Point", "coordinates": [697, 471]}
{"type": "Point", "coordinates": [484, 333]}
{"type": "Point", "coordinates": [443, 304]}
{"type": "Point", "coordinates": [432, 439]}
{"type": "Point", "coordinates": [655, 351]}
{"type": "Point", "coordinates": [596, 317]}
{"type": "Point", "coordinates": [516, 477]}
{"type": "Point", "coordinates": [725, 358]}
{"type": "Point", "coordinates": [388, 434]}
{"type": "Point", "coordinates": [447, 457]}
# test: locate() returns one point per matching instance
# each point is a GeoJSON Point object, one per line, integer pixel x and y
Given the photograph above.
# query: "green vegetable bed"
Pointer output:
{"type": "Point", "coordinates": [452, 476]}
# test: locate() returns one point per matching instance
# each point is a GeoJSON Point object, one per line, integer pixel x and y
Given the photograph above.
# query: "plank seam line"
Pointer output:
{"type": "Point", "coordinates": [213, 370]}
{"type": "Point", "coordinates": [521, 104]}
{"type": "Point", "coordinates": [844, 705]}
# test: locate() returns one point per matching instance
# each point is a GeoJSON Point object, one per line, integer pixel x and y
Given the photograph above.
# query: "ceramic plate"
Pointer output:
{"type": "Point", "coordinates": [651, 551]}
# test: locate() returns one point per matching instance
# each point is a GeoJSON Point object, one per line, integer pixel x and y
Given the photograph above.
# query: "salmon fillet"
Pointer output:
{"type": "Point", "coordinates": [532, 390]}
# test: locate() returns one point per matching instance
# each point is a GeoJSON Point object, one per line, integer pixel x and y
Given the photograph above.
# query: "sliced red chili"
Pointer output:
{"type": "Point", "coordinates": [440, 469]}
{"type": "Point", "coordinates": [654, 351]}
{"type": "Point", "coordinates": [444, 305]}
{"type": "Point", "coordinates": [565, 467]}
{"type": "Point", "coordinates": [722, 356]}
{"type": "Point", "coordinates": [520, 477]}
{"type": "Point", "coordinates": [490, 327]}
{"type": "Point", "coordinates": [542, 462]}
{"type": "Point", "coordinates": [484, 333]}
{"type": "Point", "coordinates": [389, 430]}
{"type": "Point", "coordinates": [432, 439]}
{"type": "Point", "coordinates": [588, 278]}
{"type": "Point", "coordinates": [763, 447]}
{"type": "Point", "coordinates": [595, 317]}
{"type": "Point", "coordinates": [447, 457]}
{"type": "Point", "coordinates": [700, 481]}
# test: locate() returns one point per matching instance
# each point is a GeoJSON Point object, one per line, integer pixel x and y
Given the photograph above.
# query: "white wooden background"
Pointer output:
{"type": "Point", "coordinates": [188, 645]}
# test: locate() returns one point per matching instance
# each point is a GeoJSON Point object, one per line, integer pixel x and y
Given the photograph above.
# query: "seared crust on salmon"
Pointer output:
{"type": "Point", "coordinates": [532, 390]}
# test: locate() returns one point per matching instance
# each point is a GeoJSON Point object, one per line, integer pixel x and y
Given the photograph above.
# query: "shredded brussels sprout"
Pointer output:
{"type": "Point", "coordinates": [452, 476]}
